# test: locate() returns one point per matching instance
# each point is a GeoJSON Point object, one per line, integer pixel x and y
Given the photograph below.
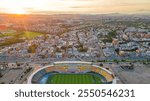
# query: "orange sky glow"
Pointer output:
{"type": "Point", "coordinates": [74, 6]}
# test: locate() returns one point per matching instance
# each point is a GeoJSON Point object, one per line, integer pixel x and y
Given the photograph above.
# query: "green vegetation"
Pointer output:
{"type": "Point", "coordinates": [1, 75]}
{"type": "Point", "coordinates": [2, 83]}
{"type": "Point", "coordinates": [10, 42]}
{"type": "Point", "coordinates": [81, 48]}
{"type": "Point", "coordinates": [6, 34]}
{"type": "Point", "coordinates": [136, 23]}
{"type": "Point", "coordinates": [18, 37]}
{"type": "Point", "coordinates": [27, 70]}
{"type": "Point", "coordinates": [127, 60]}
{"type": "Point", "coordinates": [110, 36]}
{"type": "Point", "coordinates": [101, 65]}
{"type": "Point", "coordinates": [32, 48]}
{"type": "Point", "coordinates": [109, 40]}
{"type": "Point", "coordinates": [74, 79]}
{"type": "Point", "coordinates": [30, 35]}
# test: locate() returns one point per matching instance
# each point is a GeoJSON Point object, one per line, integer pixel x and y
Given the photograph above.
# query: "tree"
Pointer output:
{"type": "Point", "coordinates": [117, 50]}
{"type": "Point", "coordinates": [17, 64]}
{"type": "Point", "coordinates": [1, 75]}
{"type": "Point", "coordinates": [32, 48]}
{"type": "Point", "coordinates": [101, 65]}
{"type": "Point", "coordinates": [2, 83]}
{"type": "Point", "coordinates": [131, 66]}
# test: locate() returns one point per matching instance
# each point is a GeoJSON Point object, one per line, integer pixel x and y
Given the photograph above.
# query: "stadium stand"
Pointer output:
{"type": "Point", "coordinates": [41, 76]}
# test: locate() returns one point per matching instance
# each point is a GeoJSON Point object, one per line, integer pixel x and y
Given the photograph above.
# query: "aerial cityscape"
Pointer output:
{"type": "Point", "coordinates": [75, 48]}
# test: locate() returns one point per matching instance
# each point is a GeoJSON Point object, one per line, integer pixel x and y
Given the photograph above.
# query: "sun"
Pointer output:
{"type": "Point", "coordinates": [17, 11]}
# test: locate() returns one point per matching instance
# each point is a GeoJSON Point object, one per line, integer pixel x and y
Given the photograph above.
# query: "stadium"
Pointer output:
{"type": "Point", "coordinates": [72, 72]}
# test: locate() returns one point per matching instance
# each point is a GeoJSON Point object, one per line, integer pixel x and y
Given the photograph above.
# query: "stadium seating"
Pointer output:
{"type": "Point", "coordinates": [107, 76]}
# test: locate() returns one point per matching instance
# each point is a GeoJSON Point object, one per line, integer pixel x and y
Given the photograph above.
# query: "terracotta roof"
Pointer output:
{"type": "Point", "coordinates": [147, 36]}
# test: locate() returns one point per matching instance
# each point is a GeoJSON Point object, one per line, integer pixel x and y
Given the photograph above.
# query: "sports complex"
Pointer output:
{"type": "Point", "coordinates": [72, 72]}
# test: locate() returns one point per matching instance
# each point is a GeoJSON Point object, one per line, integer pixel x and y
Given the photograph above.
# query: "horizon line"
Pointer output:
{"type": "Point", "coordinates": [79, 14]}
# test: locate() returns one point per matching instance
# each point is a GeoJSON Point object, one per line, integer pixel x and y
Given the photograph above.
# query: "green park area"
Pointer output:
{"type": "Point", "coordinates": [30, 35]}
{"type": "Point", "coordinates": [17, 37]}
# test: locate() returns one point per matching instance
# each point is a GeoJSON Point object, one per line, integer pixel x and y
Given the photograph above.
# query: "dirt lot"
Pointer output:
{"type": "Point", "coordinates": [11, 76]}
{"type": "Point", "coordinates": [140, 74]}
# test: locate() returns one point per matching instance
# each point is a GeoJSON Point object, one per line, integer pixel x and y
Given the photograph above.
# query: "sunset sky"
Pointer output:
{"type": "Point", "coordinates": [74, 6]}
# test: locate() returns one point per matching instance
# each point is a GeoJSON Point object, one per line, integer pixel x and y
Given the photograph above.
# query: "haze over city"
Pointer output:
{"type": "Point", "coordinates": [74, 6]}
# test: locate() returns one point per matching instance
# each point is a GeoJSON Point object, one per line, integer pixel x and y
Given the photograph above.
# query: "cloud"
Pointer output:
{"type": "Point", "coordinates": [78, 6]}
{"type": "Point", "coordinates": [144, 10]}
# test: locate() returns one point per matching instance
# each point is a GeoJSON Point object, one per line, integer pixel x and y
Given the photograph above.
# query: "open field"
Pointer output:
{"type": "Point", "coordinates": [6, 34]}
{"type": "Point", "coordinates": [30, 35]}
{"type": "Point", "coordinates": [74, 79]}
{"type": "Point", "coordinates": [18, 37]}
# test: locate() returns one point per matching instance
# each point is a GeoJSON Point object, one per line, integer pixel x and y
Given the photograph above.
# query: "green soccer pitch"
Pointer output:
{"type": "Point", "coordinates": [74, 79]}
